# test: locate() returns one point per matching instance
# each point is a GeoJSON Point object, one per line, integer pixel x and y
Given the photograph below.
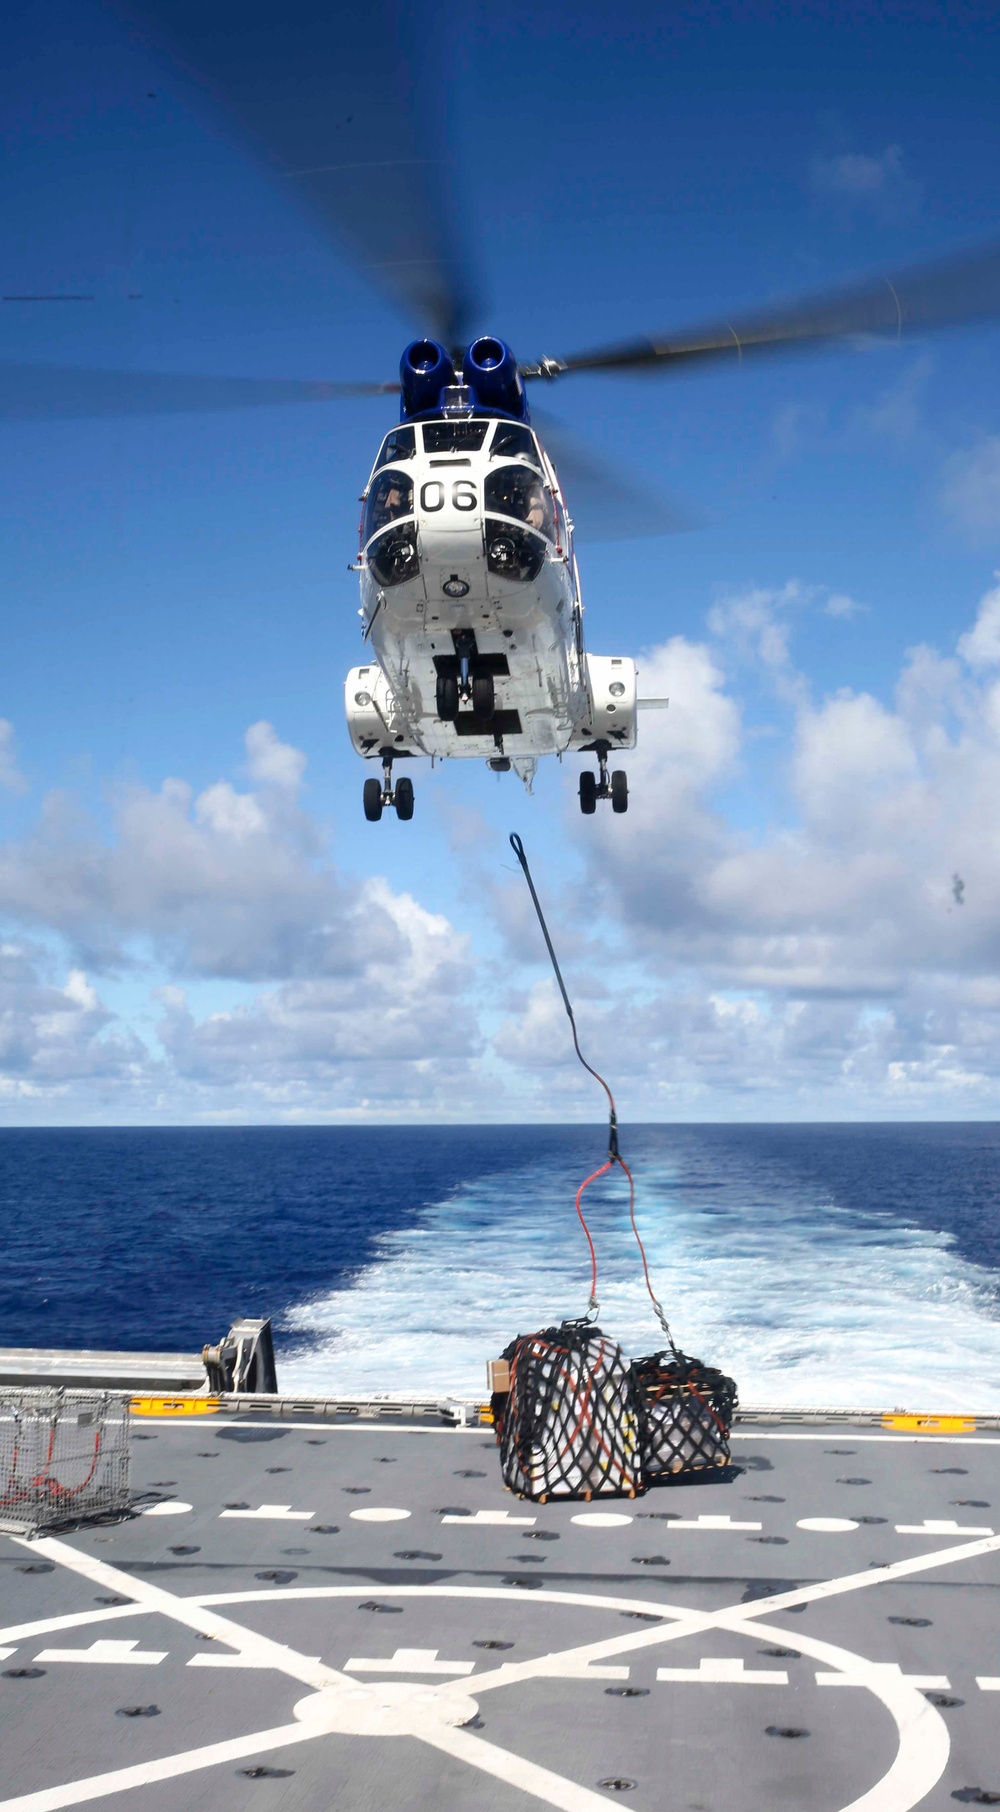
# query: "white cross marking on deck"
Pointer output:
{"type": "Point", "coordinates": [885, 1670]}
{"type": "Point", "coordinates": [562, 1668]}
{"type": "Point", "coordinates": [932, 1527]}
{"type": "Point", "coordinates": [920, 1760]}
{"type": "Point", "coordinates": [490, 1516]}
{"type": "Point", "coordinates": [279, 1513]}
{"type": "Point", "coordinates": [127, 1653]}
{"type": "Point", "coordinates": [719, 1671]}
{"type": "Point", "coordinates": [711, 1522]}
{"type": "Point", "coordinates": [408, 1661]}
{"type": "Point", "coordinates": [5, 1653]}
{"type": "Point", "coordinates": [240, 1660]}
{"type": "Point", "coordinates": [988, 1682]}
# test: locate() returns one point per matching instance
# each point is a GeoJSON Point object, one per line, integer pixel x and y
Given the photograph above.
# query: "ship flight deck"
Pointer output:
{"type": "Point", "coordinates": [310, 1608]}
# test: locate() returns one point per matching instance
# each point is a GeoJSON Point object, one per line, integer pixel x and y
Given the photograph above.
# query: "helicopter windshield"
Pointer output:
{"type": "Point", "coordinates": [519, 492]}
{"type": "Point", "coordinates": [400, 444]}
{"type": "Point", "coordinates": [511, 441]}
{"type": "Point", "coordinates": [454, 436]}
{"type": "Point", "coordinates": [390, 496]}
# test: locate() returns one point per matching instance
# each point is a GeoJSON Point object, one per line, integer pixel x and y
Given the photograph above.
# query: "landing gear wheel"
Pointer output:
{"type": "Point", "coordinates": [447, 697]}
{"type": "Point", "coordinates": [373, 801]}
{"type": "Point", "coordinates": [483, 696]}
{"type": "Point", "coordinates": [619, 790]}
{"type": "Point", "coordinates": [588, 792]}
{"type": "Point", "coordinates": [404, 798]}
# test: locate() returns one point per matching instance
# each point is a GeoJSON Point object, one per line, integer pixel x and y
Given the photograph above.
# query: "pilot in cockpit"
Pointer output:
{"type": "Point", "coordinates": [520, 492]}
{"type": "Point", "coordinates": [536, 515]}
{"type": "Point", "coordinates": [393, 504]}
{"type": "Point", "coordinates": [391, 496]}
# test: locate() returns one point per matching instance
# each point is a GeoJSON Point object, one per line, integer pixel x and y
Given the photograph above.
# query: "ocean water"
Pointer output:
{"type": "Point", "coordinates": [820, 1265]}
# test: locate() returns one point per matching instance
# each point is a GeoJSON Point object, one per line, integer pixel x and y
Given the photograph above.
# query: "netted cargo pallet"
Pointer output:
{"type": "Point", "coordinates": [567, 1426]}
{"type": "Point", "coordinates": [685, 1413]}
{"type": "Point", "coordinates": [64, 1458]}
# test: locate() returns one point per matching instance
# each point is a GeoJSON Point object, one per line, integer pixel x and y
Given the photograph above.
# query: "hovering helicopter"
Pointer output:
{"type": "Point", "coordinates": [470, 592]}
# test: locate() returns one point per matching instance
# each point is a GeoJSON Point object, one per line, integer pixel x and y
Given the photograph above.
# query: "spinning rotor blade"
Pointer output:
{"type": "Point", "coordinates": [68, 392]}
{"type": "Point", "coordinates": [964, 288]}
{"type": "Point", "coordinates": [605, 503]}
{"type": "Point", "coordinates": [348, 103]}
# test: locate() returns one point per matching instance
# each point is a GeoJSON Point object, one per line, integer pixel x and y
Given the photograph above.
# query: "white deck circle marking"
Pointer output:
{"type": "Point", "coordinates": [390, 1708]}
{"type": "Point", "coordinates": [923, 1736]}
{"type": "Point", "coordinates": [173, 1507]}
{"type": "Point", "coordinates": [601, 1519]}
{"type": "Point", "coordinates": [828, 1525]}
{"type": "Point", "coordinates": [379, 1516]}
{"type": "Point", "coordinates": [920, 1760]}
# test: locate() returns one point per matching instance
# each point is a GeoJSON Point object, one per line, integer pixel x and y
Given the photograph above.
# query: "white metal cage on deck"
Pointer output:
{"type": "Point", "coordinates": [64, 1458]}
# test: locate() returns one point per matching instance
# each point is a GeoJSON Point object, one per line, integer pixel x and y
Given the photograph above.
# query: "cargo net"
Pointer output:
{"type": "Point", "coordinates": [685, 1413]}
{"type": "Point", "coordinates": [64, 1458]}
{"type": "Point", "coordinates": [568, 1426]}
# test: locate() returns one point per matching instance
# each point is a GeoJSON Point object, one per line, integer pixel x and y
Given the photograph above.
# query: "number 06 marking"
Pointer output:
{"type": "Point", "coordinates": [463, 495]}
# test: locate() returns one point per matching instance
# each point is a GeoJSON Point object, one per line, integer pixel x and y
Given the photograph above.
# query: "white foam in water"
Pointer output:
{"type": "Point", "coordinates": [803, 1303]}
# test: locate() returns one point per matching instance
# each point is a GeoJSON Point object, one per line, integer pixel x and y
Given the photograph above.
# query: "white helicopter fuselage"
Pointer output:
{"type": "Point", "coordinates": [470, 603]}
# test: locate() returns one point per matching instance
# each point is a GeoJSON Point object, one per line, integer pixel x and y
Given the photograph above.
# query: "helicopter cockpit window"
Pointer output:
{"type": "Point", "coordinates": [400, 444]}
{"type": "Point", "coordinates": [454, 436]}
{"type": "Point", "coordinates": [511, 441]}
{"type": "Point", "coordinates": [390, 496]}
{"type": "Point", "coordinates": [516, 491]}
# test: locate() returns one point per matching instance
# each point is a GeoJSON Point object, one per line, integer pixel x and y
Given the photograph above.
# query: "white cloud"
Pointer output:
{"type": "Point", "coordinates": [231, 814]}
{"type": "Point", "coordinates": [390, 1034]}
{"type": "Point", "coordinates": [752, 624]}
{"type": "Point", "coordinates": [980, 646]}
{"type": "Point", "coordinates": [848, 752]}
{"type": "Point", "coordinates": [873, 183]}
{"type": "Point", "coordinates": [11, 779]}
{"type": "Point", "coordinates": [271, 762]}
{"type": "Point", "coordinates": [971, 489]}
{"type": "Point", "coordinates": [821, 957]}
{"type": "Point", "coordinates": [55, 1039]}
{"type": "Point", "coordinates": [229, 883]}
{"type": "Point", "coordinates": [897, 414]}
{"type": "Point", "coordinates": [843, 607]}
{"type": "Point", "coordinates": [772, 929]}
{"type": "Point", "coordinates": [365, 995]}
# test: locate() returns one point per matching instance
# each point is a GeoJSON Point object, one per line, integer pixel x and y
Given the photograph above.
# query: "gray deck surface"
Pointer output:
{"type": "Point", "coordinates": [386, 1608]}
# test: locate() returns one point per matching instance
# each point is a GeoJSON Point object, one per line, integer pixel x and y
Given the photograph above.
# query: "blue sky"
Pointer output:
{"type": "Point", "coordinates": [197, 925]}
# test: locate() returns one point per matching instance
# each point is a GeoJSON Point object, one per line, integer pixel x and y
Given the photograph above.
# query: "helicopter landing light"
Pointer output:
{"type": "Point", "coordinates": [455, 587]}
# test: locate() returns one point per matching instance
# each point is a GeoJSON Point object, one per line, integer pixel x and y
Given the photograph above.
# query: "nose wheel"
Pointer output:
{"type": "Point", "coordinates": [379, 794]}
{"type": "Point", "coordinates": [603, 786]}
{"type": "Point", "coordinates": [465, 688]}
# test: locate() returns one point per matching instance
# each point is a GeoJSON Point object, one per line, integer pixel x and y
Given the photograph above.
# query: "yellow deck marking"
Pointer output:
{"type": "Point", "coordinates": [932, 1424]}
{"type": "Point", "coordinates": [174, 1406]}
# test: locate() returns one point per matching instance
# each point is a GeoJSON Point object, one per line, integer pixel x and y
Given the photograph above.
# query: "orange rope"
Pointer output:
{"type": "Point", "coordinates": [593, 1255]}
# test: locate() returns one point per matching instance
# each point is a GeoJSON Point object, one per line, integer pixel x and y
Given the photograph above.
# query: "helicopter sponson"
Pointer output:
{"type": "Point", "coordinates": [470, 596]}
